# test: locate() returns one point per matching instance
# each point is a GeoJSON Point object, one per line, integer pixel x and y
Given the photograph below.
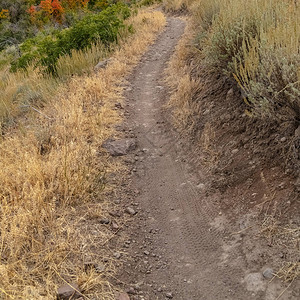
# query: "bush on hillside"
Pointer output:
{"type": "Point", "coordinates": [45, 50]}
{"type": "Point", "coordinates": [257, 43]}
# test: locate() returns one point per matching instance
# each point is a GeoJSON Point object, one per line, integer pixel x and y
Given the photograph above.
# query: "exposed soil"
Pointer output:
{"type": "Point", "coordinates": [183, 242]}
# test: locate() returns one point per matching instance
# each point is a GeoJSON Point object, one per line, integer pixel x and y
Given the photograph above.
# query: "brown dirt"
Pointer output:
{"type": "Point", "coordinates": [188, 239]}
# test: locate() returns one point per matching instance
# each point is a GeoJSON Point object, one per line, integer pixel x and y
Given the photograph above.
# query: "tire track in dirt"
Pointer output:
{"type": "Point", "coordinates": [174, 224]}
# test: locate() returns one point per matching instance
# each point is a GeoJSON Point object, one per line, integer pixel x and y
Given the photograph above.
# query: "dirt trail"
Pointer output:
{"type": "Point", "coordinates": [177, 250]}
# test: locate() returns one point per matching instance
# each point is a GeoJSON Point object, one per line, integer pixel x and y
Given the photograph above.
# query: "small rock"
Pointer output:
{"type": "Point", "coordinates": [201, 186]}
{"type": "Point", "coordinates": [159, 289]}
{"type": "Point", "coordinates": [104, 221]}
{"type": "Point", "coordinates": [235, 151]}
{"type": "Point", "coordinates": [130, 211]}
{"type": "Point", "coordinates": [230, 95]}
{"type": "Point", "coordinates": [114, 225]}
{"type": "Point", "coordinates": [131, 291]}
{"type": "Point", "coordinates": [100, 268]}
{"type": "Point", "coordinates": [123, 296]}
{"type": "Point", "coordinates": [283, 139]}
{"type": "Point", "coordinates": [206, 112]}
{"type": "Point", "coordinates": [120, 147]}
{"type": "Point", "coordinates": [146, 252]}
{"type": "Point", "coordinates": [68, 291]}
{"type": "Point", "coordinates": [101, 65]}
{"type": "Point", "coordinates": [117, 255]}
{"type": "Point", "coordinates": [268, 273]}
{"type": "Point", "coordinates": [169, 295]}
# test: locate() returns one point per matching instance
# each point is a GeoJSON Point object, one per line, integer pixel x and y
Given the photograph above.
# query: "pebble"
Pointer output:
{"type": "Point", "coordinates": [100, 268]}
{"type": "Point", "coordinates": [146, 252]}
{"type": "Point", "coordinates": [169, 295]}
{"type": "Point", "coordinates": [268, 273]}
{"type": "Point", "coordinates": [130, 211]}
{"type": "Point", "coordinates": [114, 225]}
{"type": "Point", "coordinates": [104, 221]}
{"type": "Point", "coordinates": [117, 255]}
{"type": "Point", "coordinates": [201, 186]}
{"type": "Point", "coordinates": [283, 139]}
{"type": "Point", "coordinates": [68, 291]}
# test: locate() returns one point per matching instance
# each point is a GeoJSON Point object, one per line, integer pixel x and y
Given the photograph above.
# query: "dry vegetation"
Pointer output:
{"type": "Point", "coordinates": [53, 172]}
{"type": "Point", "coordinates": [21, 91]}
{"type": "Point", "coordinates": [255, 43]}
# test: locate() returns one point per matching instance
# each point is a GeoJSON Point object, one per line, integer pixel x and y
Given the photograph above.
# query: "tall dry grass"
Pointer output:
{"type": "Point", "coordinates": [23, 91]}
{"type": "Point", "coordinates": [52, 174]}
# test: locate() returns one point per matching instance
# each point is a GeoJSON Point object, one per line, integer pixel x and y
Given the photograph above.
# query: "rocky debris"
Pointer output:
{"type": "Point", "coordinates": [130, 211]}
{"type": "Point", "coordinates": [117, 255]}
{"type": "Point", "coordinates": [123, 296]}
{"type": "Point", "coordinates": [100, 268]}
{"type": "Point", "coordinates": [114, 225]}
{"type": "Point", "coordinates": [104, 221]}
{"type": "Point", "coordinates": [68, 292]}
{"type": "Point", "coordinates": [283, 139]}
{"type": "Point", "coordinates": [268, 273]}
{"type": "Point", "coordinates": [120, 147]}
{"type": "Point", "coordinates": [169, 295]}
{"type": "Point", "coordinates": [235, 151]}
{"type": "Point", "coordinates": [131, 291]}
{"type": "Point", "coordinates": [230, 95]}
{"type": "Point", "coordinates": [101, 65]}
{"type": "Point", "coordinates": [201, 186]}
{"type": "Point", "coordinates": [115, 214]}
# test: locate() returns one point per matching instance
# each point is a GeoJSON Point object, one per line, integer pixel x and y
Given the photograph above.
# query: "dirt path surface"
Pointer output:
{"type": "Point", "coordinates": [178, 246]}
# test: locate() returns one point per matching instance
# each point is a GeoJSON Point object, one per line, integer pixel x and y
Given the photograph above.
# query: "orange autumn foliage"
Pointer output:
{"type": "Point", "coordinates": [57, 9]}
{"type": "Point", "coordinates": [49, 9]}
{"type": "Point", "coordinates": [4, 14]}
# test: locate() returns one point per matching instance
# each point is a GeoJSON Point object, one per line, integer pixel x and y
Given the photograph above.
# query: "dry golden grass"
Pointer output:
{"type": "Point", "coordinates": [52, 174]}
{"type": "Point", "coordinates": [181, 84]}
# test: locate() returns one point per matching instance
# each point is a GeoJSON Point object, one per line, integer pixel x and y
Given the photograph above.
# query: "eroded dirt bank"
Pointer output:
{"type": "Point", "coordinates": [180, 244]}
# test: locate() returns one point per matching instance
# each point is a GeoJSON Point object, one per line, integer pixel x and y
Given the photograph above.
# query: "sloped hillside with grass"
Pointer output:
{"type": "Point", "coordinates": [54, 174]}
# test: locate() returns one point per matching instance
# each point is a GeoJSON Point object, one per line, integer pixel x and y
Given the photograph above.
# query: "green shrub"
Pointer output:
{"type": "Point", "coordinates": [45, 50]}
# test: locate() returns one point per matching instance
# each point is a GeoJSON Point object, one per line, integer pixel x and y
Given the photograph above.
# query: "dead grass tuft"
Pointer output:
{"type": "Point", "coordinates": [289, 272]}
{"type": "Point", "coordinates": [53, 179]}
